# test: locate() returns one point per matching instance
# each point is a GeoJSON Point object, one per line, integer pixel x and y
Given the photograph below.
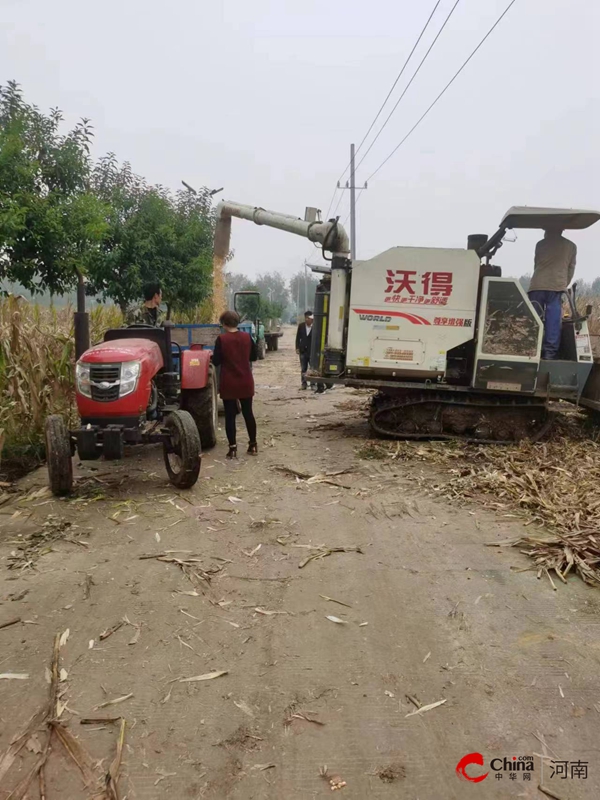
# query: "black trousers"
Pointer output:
{"type": "Point", "coordinates": [304, 365]}
{"type": "Point", "coordinates": [231, 410]}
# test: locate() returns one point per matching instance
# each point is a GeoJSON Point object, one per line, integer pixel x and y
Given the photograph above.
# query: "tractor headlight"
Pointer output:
{"type": "Point", "coordinates": [130, 372]}
{"type": "Point", "coordinates": [82, 377]}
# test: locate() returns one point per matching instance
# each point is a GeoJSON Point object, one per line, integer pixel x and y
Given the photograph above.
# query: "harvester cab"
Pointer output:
{"type": "Point", "coordinates": [565, 376]}
{"type": "Point", "coordinates": [130, 390]}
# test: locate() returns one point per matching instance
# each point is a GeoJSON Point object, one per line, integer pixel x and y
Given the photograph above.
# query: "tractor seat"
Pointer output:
{"type": "Point", "coordinates": [157, 335]}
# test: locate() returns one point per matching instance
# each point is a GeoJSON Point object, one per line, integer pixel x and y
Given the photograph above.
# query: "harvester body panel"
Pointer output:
{"type": "Point", "coordinates": [408, 307]}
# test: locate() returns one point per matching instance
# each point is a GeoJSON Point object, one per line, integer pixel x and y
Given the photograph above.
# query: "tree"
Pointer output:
{"type": "Point", "coordinates": [152, 235]}
{"type": "Point", "coordinates": [300, 300]}
{"type": "Point", "coordinates": [62, 216]}
{"type": "Point", "coordinates": [273, 287]}
{"type": "Point", "coordinates": [51, 223]}
{"type": "Point", "coordinates": [525, 280]}
{"type": "Point", "coordinates": [235, 282]}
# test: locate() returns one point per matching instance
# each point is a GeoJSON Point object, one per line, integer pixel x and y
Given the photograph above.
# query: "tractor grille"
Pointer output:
{"type": "Point", "coordinates": [105, 373]}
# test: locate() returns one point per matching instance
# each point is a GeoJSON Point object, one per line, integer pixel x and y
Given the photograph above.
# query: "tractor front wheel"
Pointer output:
{"type": "Point", "coordinates": [58, 456]}
{"type": "Point", "coordinates": [202, 404]}
{"type": "Point", "coordinates": [182, 451]}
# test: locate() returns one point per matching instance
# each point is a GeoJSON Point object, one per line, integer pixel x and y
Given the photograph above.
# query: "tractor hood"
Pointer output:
{"type": "Point", "coordinates": [121, 350]}
{"type": "Point", "coordinates": [565, 218]}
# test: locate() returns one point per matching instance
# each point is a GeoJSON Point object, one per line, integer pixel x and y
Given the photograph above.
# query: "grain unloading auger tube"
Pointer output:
{"type": "Point", "coordinates": [453, 348]}
{"type": "Point", "coordinates": [330, 235]}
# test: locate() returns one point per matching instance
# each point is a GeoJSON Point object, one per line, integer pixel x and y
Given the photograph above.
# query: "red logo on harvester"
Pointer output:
{"type": "Point", "coordinates": [404, 281]}
{"type": "Point", "coordinates": [461, 767]}
{"type": "Point", "coordinates": [414, 318]}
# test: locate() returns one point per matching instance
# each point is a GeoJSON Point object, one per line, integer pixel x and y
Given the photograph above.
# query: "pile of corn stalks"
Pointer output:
{"type": "Point", "coordinates": [554, 484]}
{"type": "Point", "coordinates": [36, 373]}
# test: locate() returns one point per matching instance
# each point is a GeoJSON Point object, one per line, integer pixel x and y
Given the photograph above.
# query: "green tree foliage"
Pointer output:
{"type": "Point", "coordinates": [253, 307]}
{"type": "Point", "coordinates": [301, 300]}
{"type": "Point", "coordinates": [273, 288]}
{"type": "Point", "coordinates": [236, 282]}
{"type": "Point", "coordinates": [153, 235]}
{"type": "Point", "coordinates": [274, 295]}
{"type": "Point", "coordinates": [51, 223]}
{"type": "Point", "coordinates": [61, 214]}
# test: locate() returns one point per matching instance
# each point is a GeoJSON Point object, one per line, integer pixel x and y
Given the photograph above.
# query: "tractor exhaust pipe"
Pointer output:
{"type": "Point", "coordinates": [81, 320]}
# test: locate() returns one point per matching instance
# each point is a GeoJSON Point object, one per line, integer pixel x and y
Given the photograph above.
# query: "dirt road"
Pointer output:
{"type": "Point", "coordinates": [426, 609]}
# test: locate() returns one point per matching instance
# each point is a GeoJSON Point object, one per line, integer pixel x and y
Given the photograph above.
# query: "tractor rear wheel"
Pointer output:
{"type": "Point", "coordinates": [202, 404]}
{"type": "Point", "coordinates": [261, 346]}
{"type": "Point", "coordinates": [58, 456]}
{"type": "Point", "coordinates": [182, 451]}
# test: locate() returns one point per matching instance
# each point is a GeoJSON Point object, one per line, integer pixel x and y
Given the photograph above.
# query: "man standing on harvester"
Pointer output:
{"type": "Point", "coordinates": [553, 271]}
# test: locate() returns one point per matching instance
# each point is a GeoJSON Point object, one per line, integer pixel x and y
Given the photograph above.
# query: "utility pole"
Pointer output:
{"type": "Point", "coordinates": [352, 205]}
{"type": "Point", "coordinates": [352, 186]}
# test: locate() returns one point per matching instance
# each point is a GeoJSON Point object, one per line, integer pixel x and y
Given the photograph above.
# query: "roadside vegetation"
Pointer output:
{"type": "Point", "coordinates": [64, 214]}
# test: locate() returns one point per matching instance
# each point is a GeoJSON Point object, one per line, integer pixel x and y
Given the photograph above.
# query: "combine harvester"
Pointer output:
{"type": "Point", "coordinates": [453, 348]}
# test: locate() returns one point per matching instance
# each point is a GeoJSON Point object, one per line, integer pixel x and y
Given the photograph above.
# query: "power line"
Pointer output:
{"type": "Point", "coordinates": [445, 89]}
{"type": "Point", "coordinates": [332, 199]}
{"type": "Point", "coordinates": [385, 101]}
{"type": "Point", "coordinates": [404, 66]}
{"type": "Point", "coordinates": [338, 203]}
{"type": "Point", "coordinates": [423, 60]}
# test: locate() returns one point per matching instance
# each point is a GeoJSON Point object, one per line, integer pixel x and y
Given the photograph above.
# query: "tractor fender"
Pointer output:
{"type": "Point", "coordinates": [194, 368]}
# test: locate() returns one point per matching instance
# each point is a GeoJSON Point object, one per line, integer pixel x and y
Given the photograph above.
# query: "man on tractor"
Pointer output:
{"type": "Point", "coordinates": [148, 313]}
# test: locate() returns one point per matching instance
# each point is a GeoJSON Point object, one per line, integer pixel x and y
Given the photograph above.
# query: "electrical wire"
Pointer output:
{"type": "Point", "coordinates": [385, 101]}
{"type": "Point", "coordinates": [404, 66]}
{"type": "Point", "coordinates": [338, 204]}
{"type": "Point", "coordinates": [407, 87]}
{"type": "Point", "coordinates": [331, 201]}
{"type": "Point", "coordinates": [445, 89]}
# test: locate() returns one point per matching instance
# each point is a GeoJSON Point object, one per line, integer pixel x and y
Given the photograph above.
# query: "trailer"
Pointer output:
{"type": "Point", "coordinates": [273, 334]}
{"type": "Point", "coordinates": [201, 336]}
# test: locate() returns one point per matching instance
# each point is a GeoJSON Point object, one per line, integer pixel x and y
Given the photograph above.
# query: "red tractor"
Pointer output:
{"type": "Point", "coordinates": [136, 387]}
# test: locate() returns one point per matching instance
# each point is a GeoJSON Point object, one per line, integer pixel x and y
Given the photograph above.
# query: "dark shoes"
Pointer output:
{"type": "Point", "coordinates": [252, 449]}
{"type": "Point", "coordinates": [232, 452]}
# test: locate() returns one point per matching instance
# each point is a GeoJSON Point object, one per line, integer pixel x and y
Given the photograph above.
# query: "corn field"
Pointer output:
{"type": "Point", "coordinates": [36, 374]}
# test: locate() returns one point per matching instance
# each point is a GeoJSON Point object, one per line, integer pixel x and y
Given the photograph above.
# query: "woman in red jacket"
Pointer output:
{"type": "Point", "coordinates": [234, 350]}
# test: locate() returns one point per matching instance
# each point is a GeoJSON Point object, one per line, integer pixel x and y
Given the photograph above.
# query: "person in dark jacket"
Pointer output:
{"type": "Point", "coordinates": [234, 350]}
{"type": "Point", "coordinates": [303, 344]}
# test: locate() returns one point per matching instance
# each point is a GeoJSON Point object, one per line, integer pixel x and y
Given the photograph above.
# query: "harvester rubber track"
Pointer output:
{"type": "Point", "coordinates": [481, 419]}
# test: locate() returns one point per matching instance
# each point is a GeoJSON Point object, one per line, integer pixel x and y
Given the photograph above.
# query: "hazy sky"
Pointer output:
{"type": "Point", "coordinates": [263, 97]}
